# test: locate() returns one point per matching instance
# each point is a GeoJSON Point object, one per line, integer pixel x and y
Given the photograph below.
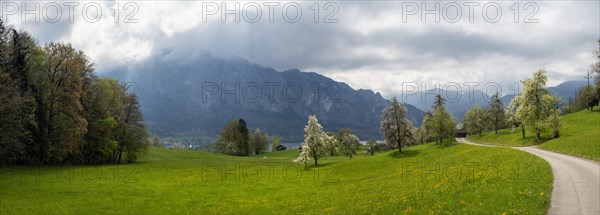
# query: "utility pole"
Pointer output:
{"type": "Point", "coordinates": [588, 77]}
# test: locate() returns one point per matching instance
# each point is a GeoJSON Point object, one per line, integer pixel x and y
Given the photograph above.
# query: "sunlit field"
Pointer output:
{"type": "Point", "coordinates": [424, 179]}
{"type": "Point", "coordinates": [579, 135]}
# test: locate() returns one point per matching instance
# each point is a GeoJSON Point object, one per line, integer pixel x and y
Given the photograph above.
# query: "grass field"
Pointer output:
{"type": "Point", "coordinates": [580, 136]}
{"type": "Point", "coordinates": [427, 179]}
{"type": "Point", "coordinates": [508, 137]}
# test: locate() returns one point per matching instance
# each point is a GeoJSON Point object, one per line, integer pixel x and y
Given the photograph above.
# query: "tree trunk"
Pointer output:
{"type": "Point", "coordinates": [315, 161]}
{"type": "Point", "coordinates": [523, 131]}
{"type": "Point", "coordinates": [120, 152]}
{"type": "Point", "coordinates": [537, 135]}
{"type": "Point", "coordinates": [399, 147]}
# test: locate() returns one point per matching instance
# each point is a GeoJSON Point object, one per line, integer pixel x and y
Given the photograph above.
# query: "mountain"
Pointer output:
{"type": "Point", "coordinates": [457, 103]}
{"type": "Point", "coordinates": [197, 98]}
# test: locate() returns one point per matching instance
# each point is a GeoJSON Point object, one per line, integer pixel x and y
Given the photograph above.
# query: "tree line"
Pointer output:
{"type": "Point", "coordinates": [397, 130]}
{"type": "Point", "coordinates": [55, 110]}
{"type": "Point", "coordinates": [534, 109]}
{"type": "Point", "coordinates": [236, 139]}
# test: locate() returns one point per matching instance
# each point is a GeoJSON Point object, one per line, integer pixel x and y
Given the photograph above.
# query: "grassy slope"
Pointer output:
{"type": "Point", "coordinates": [580, 135]}
{"type": "Point", "coordinates": [425, 179]}
{"type": "Point", "coordinates": [508, 137]}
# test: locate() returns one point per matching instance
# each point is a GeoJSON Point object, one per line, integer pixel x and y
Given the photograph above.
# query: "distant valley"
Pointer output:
{"type": "Point", "coordinates": [197, 98]}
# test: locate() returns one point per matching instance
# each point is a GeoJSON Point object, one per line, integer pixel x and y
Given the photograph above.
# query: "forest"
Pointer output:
{"type": "Point", "coordinates": [55, 110]}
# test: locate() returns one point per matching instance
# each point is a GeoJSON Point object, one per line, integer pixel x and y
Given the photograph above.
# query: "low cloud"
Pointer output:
{"type": "Point", "coordinates": [369, 47]}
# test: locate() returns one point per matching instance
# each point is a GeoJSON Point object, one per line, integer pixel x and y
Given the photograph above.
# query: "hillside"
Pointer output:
{"type": "Point", "coordinates": [197, 98]}
{"type": "Point", "coordinates": [425, 179]}
{"type": "Point", "coordinates": [580, 135]}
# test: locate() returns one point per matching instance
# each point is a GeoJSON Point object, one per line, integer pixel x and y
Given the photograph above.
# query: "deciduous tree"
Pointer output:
{"type": "Point", "coordinates": [304, 155]}
{"type": "Point", "coordinates": [496, 112]}
{"type": "Point", "coordinates": [536, 103]}
{"type": "Point", "coordinates": [511, 114]}
{"type": "Point", "coordinates": [314, 139]}
{"type": "Point", "coordinates": [475, 120]}
{"type": "Point", "coordinates": [396, 128]}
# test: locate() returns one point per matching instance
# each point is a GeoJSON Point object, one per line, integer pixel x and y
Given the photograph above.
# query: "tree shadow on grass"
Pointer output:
{"type": "Point", "coordinates": [404, 154]}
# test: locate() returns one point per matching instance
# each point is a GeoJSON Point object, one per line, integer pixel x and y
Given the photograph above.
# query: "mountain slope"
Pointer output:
{"type": "Point", "coordinates": [197, 98]}
{"type": "Point", "coordinates": [457, 103]}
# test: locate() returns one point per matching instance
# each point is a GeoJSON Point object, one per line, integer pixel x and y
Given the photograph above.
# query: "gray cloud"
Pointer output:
{"type": "Point", "coordinates": [370, 47]}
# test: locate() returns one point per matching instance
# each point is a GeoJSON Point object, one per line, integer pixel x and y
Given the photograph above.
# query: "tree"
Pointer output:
{"type": "Point", "coordinates": [423, 137]}
{"type": "Point", "coordinates": [586, 99]}
{"type": "Point", "coordinates": [496, 112]}
{"type": "Point", "coordinates": [18, 52]}
{"type": "Point", "coordinates": [259, 142]}
{"type": "Point", "coordinates": [343, 132]}
{"type": "Point", "coordinates": [595, 68]}
{"type": "Point", "coordinates": [275, 141]}
{"type": "Point", "coordinates": [427, 127]}
{"type": "Point", "coordinates": [11, 129]}
{"type": "Point", "coordinates": [439, 101]}
{"type": "Point", "coordinates": [396, 128]}
{"type": "Point", "coordinates": [475, 120]}
{"type": "Point", "coordinates": [554, 122]}
{"type": "Point", "coordinates": [61, 121]}
{"type": "Point", "coordinates": [132, 135]}
{"type": "Point", "coordinates": [243, 143]}
{"type": "Point", "coordinates": [12, 148]}
{"type": "Point", "coordinates": [314, 138]}
{"type": "Point", "coordinates": [156, 142]}
{"type": "Point", "coordinates": [511, 114]}
{"type": "Point", "coordinates": [101, 103]}
{"type": "Point", "coordinates": [53, 109]}
{"type": "Point", "coordinates": [332, 143]}
{"type": "Point", "coordinates": [372, 144]}
{"type": "Point", "coordinates": [537, 103]}
{"type": "Point", "coordinates": [350, 144]}
{"type": "Point", "coordinates": [438, 122]}
{"type": "Point", "coordinates": [304, 155]}
{"type": "Point", "coordinates": [442, 123]}
{"type": "Point", "coordinates": [230, 140]}
{"type": "Point", "coordinates": [178, 146]}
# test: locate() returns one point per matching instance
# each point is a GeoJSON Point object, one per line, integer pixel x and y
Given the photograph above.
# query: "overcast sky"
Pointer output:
{"type": "Point", "coordinates": [365, 44]}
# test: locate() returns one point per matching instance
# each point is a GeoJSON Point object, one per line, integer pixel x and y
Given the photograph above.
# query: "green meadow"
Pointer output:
{"type": "Point", "coordinates": [579, 135]}
{"type": "Point", "coordinates": [425, 179]}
